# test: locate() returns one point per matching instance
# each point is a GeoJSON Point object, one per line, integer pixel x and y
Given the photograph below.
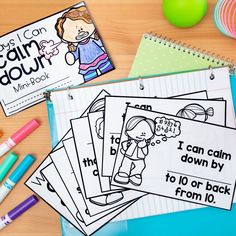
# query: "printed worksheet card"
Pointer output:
{"type": "Point", "coordinates": [62, 164]}
{"type": "Point", "coordinates": [97, 206]}
{"type": "Point", "coordinates": [42, 187]}
{"type": "Point", "coordinates": [176, 157]}
{"type": "Point", "coordinates": [39, 184]}
{"type": "Point", "coordinates": [96, 123]}
{"type": "Point", "coordinates": [53, 177]}
{"type": "Point", "coordinates": [115, 106]}
{"type": "Point", "coordinates": [86, 157]}
{"type": "Point", "coordinates": [61, 50]}
{"type": "Point", "coordinates": [89, 178]}
{"type": "Point", "coordinates": [63, 167]}
{"type": "Point", "coordinates": [73, 183]}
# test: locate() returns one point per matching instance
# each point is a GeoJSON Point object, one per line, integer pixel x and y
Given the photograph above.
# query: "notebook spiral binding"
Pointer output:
{"type": "Point", "coordinates": [187, 48]}
{"type": "Point", "coordinates": [204, 54]}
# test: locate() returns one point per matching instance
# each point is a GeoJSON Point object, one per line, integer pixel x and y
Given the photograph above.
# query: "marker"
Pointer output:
{"type": "Point", "coordinates": [15, 176]}
{"type": "Point", "coordinates": [18, 136]}
{"type": "Point", "coordinates": [17, 211]}
{"type": "Point", "coordinates": [7, 164]}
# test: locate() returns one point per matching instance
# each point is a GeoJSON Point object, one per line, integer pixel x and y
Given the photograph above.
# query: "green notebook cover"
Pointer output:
{"type": "Point", "coordinates": [156, 55]}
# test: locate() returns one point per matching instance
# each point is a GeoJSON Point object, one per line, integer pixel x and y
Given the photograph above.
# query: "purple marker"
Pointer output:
{"type": "Point", "coordinates": [17, 211]}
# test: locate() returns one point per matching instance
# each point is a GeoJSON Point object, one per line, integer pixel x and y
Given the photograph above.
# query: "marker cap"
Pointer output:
{"type": "Point", "coordinates": [7, 164]}
{"type": "Point", "coordinates": [22, 168]}
{"type": "Point", "coordinates": [26, 130]}
{"type": "Point", "coordinates": [22, 207]}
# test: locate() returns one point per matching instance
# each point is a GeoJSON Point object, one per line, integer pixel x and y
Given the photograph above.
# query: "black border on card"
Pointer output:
{"type": "Point", "coordinates": [43, 99]}
{"type": "Point", "coordinates": [128, 203]}
{"type": "Point", "coordinates": [109, 191]}
{"type": "Point", "coordinates": [83, 196]}
{"type": "Point", "coordinates": [94, 221]}
{"type": "Point", "coordinates": [190, 121]}
{"type": "Point", "coordinates": [77, 183]}
{"type": "Point", "coordinates": [78, 221]}
{"type": "Point", "coordinates": [75, 179]}
{"type": "Point", "coordinates": [62, 181]}
{"type": "Point", "coordinates": [94, 100]}
{"type": "Point", "coordinates": [186, 94]}
{"type": "Point", "coordinates": [95, 155]}
{"type": "Point", "coordinates": [85, 117]}
{"type": "Point", "coordinates": [76, 148]}
{"type": "Point", "coordinates": [180, 99]}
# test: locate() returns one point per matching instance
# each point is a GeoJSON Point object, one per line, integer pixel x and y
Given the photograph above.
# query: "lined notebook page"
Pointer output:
{"type": "Point", "coordinates": [166, 86]}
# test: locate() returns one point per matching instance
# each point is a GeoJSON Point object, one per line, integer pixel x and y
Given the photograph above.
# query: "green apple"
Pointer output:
{"type": "Point", "coordinates": [184, 13]}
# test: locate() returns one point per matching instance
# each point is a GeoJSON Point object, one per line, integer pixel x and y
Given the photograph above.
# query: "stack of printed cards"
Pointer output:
{"type": "Point", "coordinates": [123, 148]}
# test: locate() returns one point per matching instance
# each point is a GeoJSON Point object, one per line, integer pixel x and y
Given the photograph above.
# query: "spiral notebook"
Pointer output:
{"type": "Point", "coordinates": [155, 56]}
{"type": "Point", "coordinates": [158, 54]}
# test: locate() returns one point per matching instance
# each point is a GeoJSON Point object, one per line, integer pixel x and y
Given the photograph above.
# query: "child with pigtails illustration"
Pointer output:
{"type": "Point", "coordinates": [76, 28]}
{"type": "Point", "coordinates": [140, 131]}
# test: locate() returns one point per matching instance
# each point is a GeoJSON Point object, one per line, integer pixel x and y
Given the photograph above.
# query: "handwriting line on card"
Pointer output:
{"type": "Point", "coordinates": [205, 110]}
{"type": "Point", "coordinates": [145, 136]}
{"type": "Point", "coordinates": [199, 177]}
{"type": "Point", "coordinates": [189, 82]}
{"type": "Point", "coordinates": [51, 52]}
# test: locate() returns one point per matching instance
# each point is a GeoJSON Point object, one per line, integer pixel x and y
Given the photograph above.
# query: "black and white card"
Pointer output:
{"type": "Point", "coordinates": [198, 109]}
{"type": "Point", "coordinates": [176, 157]}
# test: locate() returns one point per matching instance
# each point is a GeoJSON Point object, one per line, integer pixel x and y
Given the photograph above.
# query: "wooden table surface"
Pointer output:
{"type": "Point", "coordinates": [121, 24]}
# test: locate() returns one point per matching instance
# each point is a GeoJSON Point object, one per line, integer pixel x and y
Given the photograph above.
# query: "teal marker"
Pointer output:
{"type": "Point", "coordinates": [7, 164]}
{"type": "Point", "coordinates": [15, 176]}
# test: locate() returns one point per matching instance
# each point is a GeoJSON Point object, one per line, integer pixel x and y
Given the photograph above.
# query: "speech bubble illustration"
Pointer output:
{"type": "Point", "coordinates": [168, 128]}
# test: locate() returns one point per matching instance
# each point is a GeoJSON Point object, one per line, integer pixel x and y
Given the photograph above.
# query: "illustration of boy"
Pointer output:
{"type": "Point", "coordinates": [139, 130]}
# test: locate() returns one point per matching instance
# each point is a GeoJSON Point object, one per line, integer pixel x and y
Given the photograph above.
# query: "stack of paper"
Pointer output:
{"type": "Point", "coordinates": [123, 147]}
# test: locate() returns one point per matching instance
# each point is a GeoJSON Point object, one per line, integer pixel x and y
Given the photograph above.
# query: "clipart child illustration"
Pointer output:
{"type": "Point", "coordinates": [109, 198]}
{"type": "Point", "coordinates": [139, 130]}
{"type": "Point", "coordinates": [195, 111]}
{"type": "Point", "coordinates": [85, 49]}
{"type": "Point", "coordinates": [76, 28]}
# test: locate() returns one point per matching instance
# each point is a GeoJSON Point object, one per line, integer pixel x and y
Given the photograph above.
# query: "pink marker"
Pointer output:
{"type": "Point", "coordinates": [18, 136]}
